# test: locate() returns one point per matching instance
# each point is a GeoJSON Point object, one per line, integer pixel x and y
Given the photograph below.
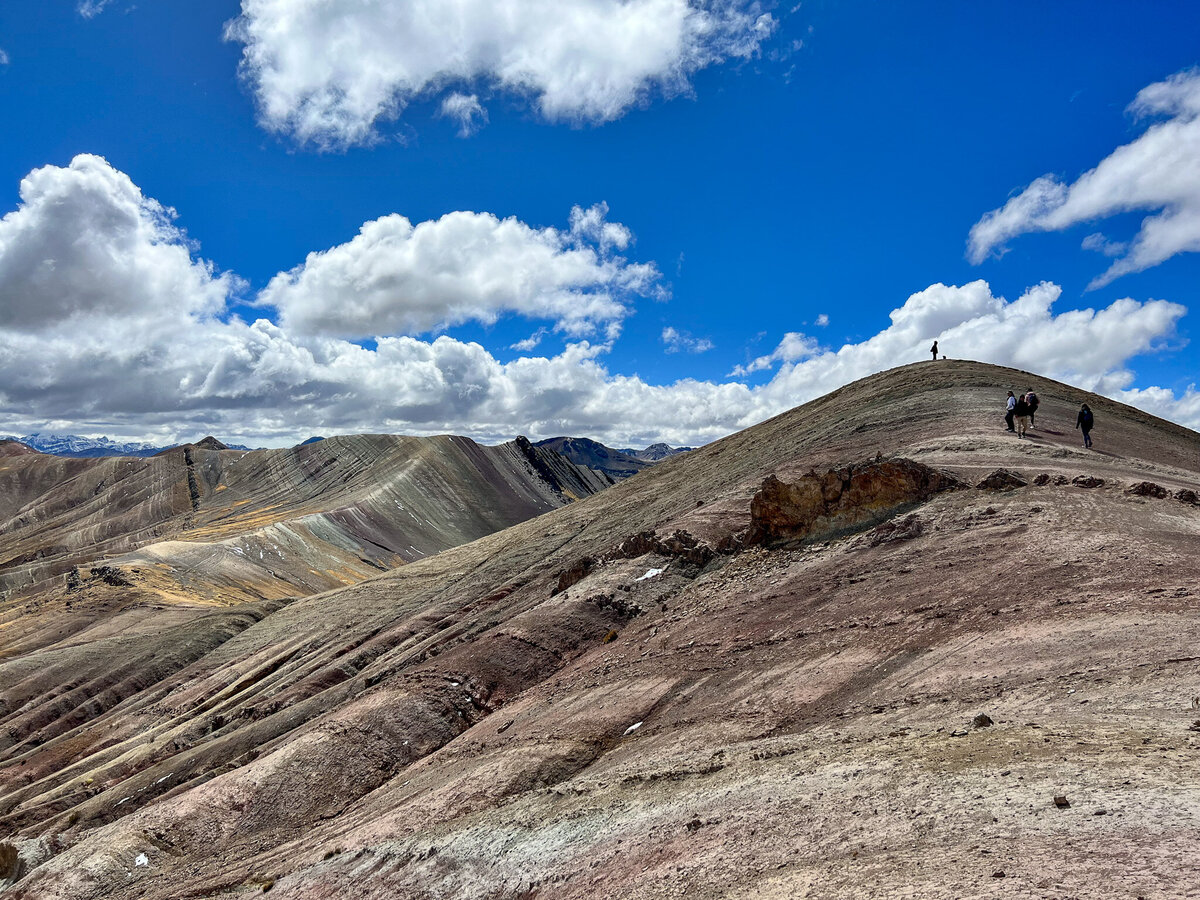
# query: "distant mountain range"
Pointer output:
{"type": "Point", "coordinates": [616, 463]}
{"type": "Point", "coordinates": [85, 447]}
{"type": "Point", "coordinates": [581, 451]}
{"type": "Point", "coordinates": [655, 452]}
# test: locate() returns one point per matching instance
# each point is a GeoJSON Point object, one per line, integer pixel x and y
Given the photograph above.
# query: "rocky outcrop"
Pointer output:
{"type": "Point", "coordinates": [819, 506]}
{"type": "Point", "coordinates": [1148, 489]}
{"type": "Point", "coordinates": [1003, 480]}
{"type": "Point", "coordinates": [679, 544]}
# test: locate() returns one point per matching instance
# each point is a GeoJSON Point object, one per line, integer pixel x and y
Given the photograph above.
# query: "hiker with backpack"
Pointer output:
{"type": "Point", "coordinates": [1021, 412]}
{"type": "Point", "coordinates": [1031, 400]}
{"type": "Point", "coordinates": [1008, 411]}
{"type": "Point", "coordinates": [1084, 422]}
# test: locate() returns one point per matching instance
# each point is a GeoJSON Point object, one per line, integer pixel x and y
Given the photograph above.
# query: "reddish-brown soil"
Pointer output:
{"type": "Point", "coordinates": [887, 710]}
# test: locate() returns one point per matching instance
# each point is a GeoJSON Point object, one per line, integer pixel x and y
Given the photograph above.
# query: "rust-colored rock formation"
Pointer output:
{"type": "Point", "coordinates": [841, 500]}
{"type": "Point", "coordinates": [889, 711]}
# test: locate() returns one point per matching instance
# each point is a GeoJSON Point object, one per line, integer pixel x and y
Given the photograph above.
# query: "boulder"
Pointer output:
{"type": "Point", "coordinates": [1149, 489]}
{"type": "Point", "coordinates": [1002, 480]}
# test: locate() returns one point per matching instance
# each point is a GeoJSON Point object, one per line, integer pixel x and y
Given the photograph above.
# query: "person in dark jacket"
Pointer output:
{"type": "Point", "coordinates": [1084, 422]}
{"type": "Point", "coordinates": [1031, 400]}
{"type": "Point", "coordinates": [933, 350]}
{"type": "Point", "coordinates": [1008, 411]}
{"type": "Point", "coordinates": [1021, 412]}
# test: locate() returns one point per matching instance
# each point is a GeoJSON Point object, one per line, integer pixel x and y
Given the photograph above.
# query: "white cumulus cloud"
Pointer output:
{"type": "Point", "coordinates": [109, 324]}
{"type": "Point", "coordinates": [328, 71]}
{"type": "Point", "coordinates": [395, 277]}
{"type": "Point", "coordinates": [3, 57]}
{"type": "Point", "coordinates": [1159, 171]}
{"type": "Point", "coordinates": [85, 245]}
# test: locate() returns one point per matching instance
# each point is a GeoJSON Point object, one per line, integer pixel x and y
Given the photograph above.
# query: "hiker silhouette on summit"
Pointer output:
{"type": "Point", "coordinates": [934, 350]}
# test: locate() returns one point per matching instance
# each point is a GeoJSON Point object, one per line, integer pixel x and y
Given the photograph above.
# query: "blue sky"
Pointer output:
{"type": "Point", "coordinates": [770, 200]}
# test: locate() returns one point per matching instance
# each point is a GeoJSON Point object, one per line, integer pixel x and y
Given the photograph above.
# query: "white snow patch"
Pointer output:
{"type": "Point", "coordinates": [651, 573]}
{"type": "Point", "coordinates": [636, 725]}
{"type": "Point", "coordinates": [142, 860]}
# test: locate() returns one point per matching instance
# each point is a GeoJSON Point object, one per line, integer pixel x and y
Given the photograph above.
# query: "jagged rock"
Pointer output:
{"type": "Point", "coordinates": [111, 575]}
{"type": "Point", "coordinates": [1061, 479]}
{"type": "Point", "coordinates": [11, 865]}
{"type": "Point", "coordinates": [907, 528]}
{"type": "Point", "coordinates": [1002, 480]}
{"type": "Point", "coordinates": [1087, 481]}
{"type": "Point", "coordinates": [679, 544]}
{"type": "Point", "coordinates": [1062, 802]}
{"type": "Point", "coordinates": [575, 574]}
{"type": "Point", "coordinates": [983, 720]}
{"type": "Point", "coordinates": [1042, 479]}
{"type": "Point", "coordinates": [840, 500]}
{"type": "Point", "coordinates": [1186, 496]}
{"type": "Point", "coordinates": [74, 579]}
{"type": "Point", "coordinates": [1149, 489]}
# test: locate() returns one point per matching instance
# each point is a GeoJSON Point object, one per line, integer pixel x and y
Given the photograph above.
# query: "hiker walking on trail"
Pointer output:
{"type": "Point", "coordinates": [1084, 422]}
{"type": "Point", "coordinates": [1008, 411]}
{"type": "Point", "coordinates": [1031, 400]}
{"type": "Point", "coordinates": [1021, 412]}
{"type": "Point", "coordinates": [934, 350]}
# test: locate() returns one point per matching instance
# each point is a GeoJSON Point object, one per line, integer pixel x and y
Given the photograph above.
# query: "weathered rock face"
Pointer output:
{"type": "Point", "coordinates": [819, 506]}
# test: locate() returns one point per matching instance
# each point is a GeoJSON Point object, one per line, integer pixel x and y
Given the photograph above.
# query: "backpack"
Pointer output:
{"type": "Point", "coordinates": [1085, 419]}
{"type": "Point", "coordinates": [1032, 400]}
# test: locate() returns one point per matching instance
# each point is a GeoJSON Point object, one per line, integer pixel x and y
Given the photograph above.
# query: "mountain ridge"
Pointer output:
{"type": "Point", "coordinates": [77, 446]}
{"type": "Point", "coordinates": [616, 699]}
{"type": "Point", "coordinates": [595, 455]}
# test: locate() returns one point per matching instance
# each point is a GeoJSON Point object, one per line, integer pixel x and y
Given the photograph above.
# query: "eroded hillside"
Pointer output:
{"type": "Point", "coordinates": [83, 540]}
{"type": "Point", "coordinates": [925, 659]}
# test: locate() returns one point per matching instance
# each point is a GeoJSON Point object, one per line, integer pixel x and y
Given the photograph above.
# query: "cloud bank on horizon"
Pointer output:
{"type": "Point", "coordinates": [106, 315]}
{"type": "Point", "coordinates": [1159, 171]}
{"type": "Point", "coordinates": [329, 75]}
